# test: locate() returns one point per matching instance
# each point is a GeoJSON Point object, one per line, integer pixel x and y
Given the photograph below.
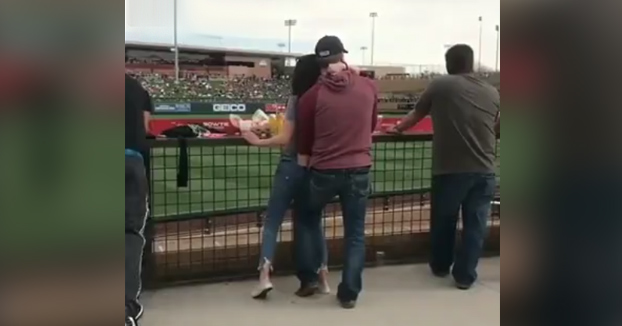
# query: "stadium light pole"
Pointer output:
{"type": "Point", "coordinates": [175, 41]}
{"type": "Point", "coordinates": [290, 23]}
{"type": "Point", "coordinates": [373, 17]}
{"type": "Point", "coordinates": [481, 34]}
{"type": "Point", "coordinates": [363, 51]}
{"type": "Point", "coordinates": [498, 30]}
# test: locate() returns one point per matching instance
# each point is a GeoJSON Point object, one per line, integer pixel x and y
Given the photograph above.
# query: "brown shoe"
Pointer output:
{"type": "Point", "coordinates": [463, 286]}
{"type": "Point", "coordinates": [307, 291]}
{"type": "Point", "coordinates": [347, 304]}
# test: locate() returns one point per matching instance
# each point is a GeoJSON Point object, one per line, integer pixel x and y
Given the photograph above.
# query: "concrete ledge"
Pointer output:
{"type": "Point", "coordinates": [395, 295]}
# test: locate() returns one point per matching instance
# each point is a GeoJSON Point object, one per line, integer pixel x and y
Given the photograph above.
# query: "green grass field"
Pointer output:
{"type": "Point", "coordinates": [238, 177]}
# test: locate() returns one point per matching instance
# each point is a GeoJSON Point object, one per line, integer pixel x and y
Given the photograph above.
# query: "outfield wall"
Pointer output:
{"type": "Point", "coordinates": [157, 126]}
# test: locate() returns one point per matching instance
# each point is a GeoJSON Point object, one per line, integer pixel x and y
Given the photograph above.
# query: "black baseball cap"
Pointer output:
{"type": "Point", "coordinates": [329, 46]}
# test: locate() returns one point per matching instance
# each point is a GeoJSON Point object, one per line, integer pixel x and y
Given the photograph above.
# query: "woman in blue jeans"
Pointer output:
{"type": "Point", "coordinates": [288, 186]}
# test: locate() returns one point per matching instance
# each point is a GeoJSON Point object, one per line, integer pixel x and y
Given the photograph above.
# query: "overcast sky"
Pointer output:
{"type": "Point", "coordinates": [407, 31]}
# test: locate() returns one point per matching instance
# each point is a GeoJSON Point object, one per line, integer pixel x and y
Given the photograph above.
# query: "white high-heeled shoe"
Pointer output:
{"type": "Point", "coordinates": [265, 286]}
{"type": "Point", "coordinates": [323, 286]}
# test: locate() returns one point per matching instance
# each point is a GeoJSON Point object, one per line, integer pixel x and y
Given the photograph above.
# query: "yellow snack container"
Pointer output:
{"type": "Point", "coordinates": [281, 117]}
{"type": "Point", "coordinates": [273, 122]}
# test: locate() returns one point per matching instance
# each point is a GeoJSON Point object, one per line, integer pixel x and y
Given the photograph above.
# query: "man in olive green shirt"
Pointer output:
{"type": "Point", "coordinates": [465, 114]}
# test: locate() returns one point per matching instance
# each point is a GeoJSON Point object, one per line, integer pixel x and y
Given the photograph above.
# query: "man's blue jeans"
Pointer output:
{"type": "Point", "coordinates": [289, 185]}
{"type": "Point", "coordinates": [353, 188]}
{"type": "Point", "coordinates": [473, 193]}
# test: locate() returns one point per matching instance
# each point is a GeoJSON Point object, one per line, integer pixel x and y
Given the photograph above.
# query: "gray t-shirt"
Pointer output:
{"type": "Point", "coordinates": [290, 115]}
{"type": "Point", "coordinates": [464, 111]}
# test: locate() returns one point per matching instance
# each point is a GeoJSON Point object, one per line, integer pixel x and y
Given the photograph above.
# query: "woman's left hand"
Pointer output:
{"type": "Point", "coordinates": [251, 138]}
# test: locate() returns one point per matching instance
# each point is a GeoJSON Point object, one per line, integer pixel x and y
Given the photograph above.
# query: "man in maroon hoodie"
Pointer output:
{"type": "Point", "coordinates": [336, 119]}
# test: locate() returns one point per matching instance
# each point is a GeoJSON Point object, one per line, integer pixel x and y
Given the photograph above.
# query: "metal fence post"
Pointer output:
{"type": "Point", "coordinates": [148, 263]}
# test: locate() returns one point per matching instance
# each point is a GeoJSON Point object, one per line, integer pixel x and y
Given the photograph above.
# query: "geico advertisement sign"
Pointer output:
{"type": "Point", "coordinates": [229, 108]}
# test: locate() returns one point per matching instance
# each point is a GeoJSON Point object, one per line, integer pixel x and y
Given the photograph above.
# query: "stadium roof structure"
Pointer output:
{"type": "Point", "coordinates": [206, 50]}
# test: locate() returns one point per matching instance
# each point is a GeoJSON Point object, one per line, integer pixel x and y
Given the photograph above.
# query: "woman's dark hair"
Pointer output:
{"type": "Point", "coordinates": [459, 59]}
{"type": "Point", "coordinates": [306, 74]}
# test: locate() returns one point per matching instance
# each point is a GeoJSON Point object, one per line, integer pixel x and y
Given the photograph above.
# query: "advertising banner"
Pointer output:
{"type": "Point", "coordinates": [275, 108]}
{"type": "Point", "coordinates": [222, 125]}
{"type": "Point", "coordinates": [173, 108]}
{"type": "Point", "coordinates": [222, 108]}
{"type": "Point", "coordinates": [218, 108]}
{"type": "Point", "coordinates": [229, 108]}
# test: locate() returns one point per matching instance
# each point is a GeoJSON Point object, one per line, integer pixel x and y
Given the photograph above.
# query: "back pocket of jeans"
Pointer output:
{"type": "Point", "coordinates": [322, 189]}
{"type": "Point", "coordinates": [321, 181]}
{"type": "Point", "coordinates": [361, 185]}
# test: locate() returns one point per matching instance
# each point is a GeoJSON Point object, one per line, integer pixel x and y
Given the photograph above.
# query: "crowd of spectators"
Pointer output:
{"type": "Point", "coordinates": [201, 88]}
{"type": "Point", "coordinates": [210, 88]}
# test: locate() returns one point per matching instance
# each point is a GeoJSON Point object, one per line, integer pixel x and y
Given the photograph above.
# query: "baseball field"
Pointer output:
{"type": "Point", "coordinates": [238, 177]}
{"type": "Point", "coordinates": [232, 184]}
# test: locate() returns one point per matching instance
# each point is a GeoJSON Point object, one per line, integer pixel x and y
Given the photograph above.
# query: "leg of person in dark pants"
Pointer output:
{"type": "Point", "coordinates": [307, 259]}
{"type": "Point", "coordinates": [353, 198]}
{"type": "Point", "coordinates": [448, 191]}
{"type": "Point", "coordinates": [475, 213]}
{"type": "Point", "coordinates": [286, 180]}
{"type": "Point", "coordinates": [353, 188]}
{"type": "Point", "coordinates": [136, 211]}
{"type": "Point", "coordinates": [311, 250]}
{"type": "Point", "coordinates": [311, 254]}
{"type": "Point", "coordinates": [473, 192]}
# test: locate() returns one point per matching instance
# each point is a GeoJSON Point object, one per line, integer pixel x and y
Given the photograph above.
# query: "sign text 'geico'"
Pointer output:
{"type": "Point", "coordinates": [229, 108]}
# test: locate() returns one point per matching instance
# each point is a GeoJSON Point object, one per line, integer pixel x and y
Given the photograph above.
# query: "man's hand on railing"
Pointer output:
{"type": "Point", "coordinates": [394, 131]}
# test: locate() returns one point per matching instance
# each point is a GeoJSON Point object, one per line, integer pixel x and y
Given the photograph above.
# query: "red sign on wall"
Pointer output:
{"type": "Point", "coordinates": [275, 108]}
{"type": "Point", "coordinates": [157, 126]}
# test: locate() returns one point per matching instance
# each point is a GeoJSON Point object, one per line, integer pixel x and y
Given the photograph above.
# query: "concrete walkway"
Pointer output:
{"type": "Point", "coordinates": [394, 296]}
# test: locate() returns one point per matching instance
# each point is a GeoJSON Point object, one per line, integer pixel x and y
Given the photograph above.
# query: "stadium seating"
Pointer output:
{"type": "Point", "coordinates": [203, 88]}
{"type": "Point", "coordinates": [216, 88]}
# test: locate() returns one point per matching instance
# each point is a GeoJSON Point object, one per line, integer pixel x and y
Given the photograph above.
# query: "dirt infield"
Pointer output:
{"type": "Point", "coordinates": [400, 214]}
{"type": "Point", "coordinates": [378, 222]}
{"type": "Point", "coordinates": [411, 217]}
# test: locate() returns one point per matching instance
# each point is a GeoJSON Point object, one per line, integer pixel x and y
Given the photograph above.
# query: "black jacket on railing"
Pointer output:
{"type": "Point", "coordinates": [183, 167]}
